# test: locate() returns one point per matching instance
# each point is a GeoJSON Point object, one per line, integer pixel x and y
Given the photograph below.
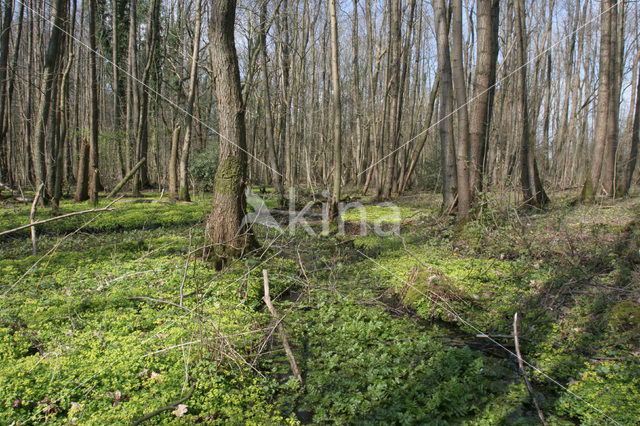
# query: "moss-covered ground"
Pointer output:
{"type": "Point", "coordinates": [117, 317]}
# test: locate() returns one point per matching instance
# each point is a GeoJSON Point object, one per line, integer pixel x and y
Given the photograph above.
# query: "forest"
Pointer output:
{"type": "Point", "coordinates": [319, 212]}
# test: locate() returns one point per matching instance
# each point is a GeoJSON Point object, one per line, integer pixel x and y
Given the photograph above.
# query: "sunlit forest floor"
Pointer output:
{"type": "Point", "coordinates": [117, 317]}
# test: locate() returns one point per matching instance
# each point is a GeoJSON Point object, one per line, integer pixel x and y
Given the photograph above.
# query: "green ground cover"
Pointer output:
{"type": "Point", "coordinates": [93, 329]}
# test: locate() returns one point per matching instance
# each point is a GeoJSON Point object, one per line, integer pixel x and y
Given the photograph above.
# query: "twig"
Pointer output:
{"type": "Point", "coordinates": [304, 273]}
{"type": "Point", "coordinates": [283, 336]}
{"type": "Point", "coordinates": [163, 409]}
{"type": "Point", "coordinates": [171, 347]}
{"type": "Point", "coordinates": [32, 217]}
{"type": "Point", "coordinates": [524, 374]}
{"type": "Point", "coordinates": [186, 269]}
{"type": "Point", "coordinates": [51, 219]}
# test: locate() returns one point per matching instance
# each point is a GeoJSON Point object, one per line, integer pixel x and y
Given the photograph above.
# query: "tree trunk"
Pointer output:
{"type": "Point", "coordinates": [617, 63]}
{"type": "Point", "coordinates": [94, 117]}
{"type": "Point", "coordinates": [188, 120]}
{"type": "Point", "coordinates": [226, 230]}
{"type": "Point", "coordinates": [173, 164]}
{"type": "Point", "coordinates": [462, 152]}
{"type": "Point", "coordinates": [483, 89]}
{"type": "Point", "coordinates": [395, 94]}
{"type": "Point", "coordinates": [276, 176]}
{"type": "Point", "coordinates": [592, 183]}
{"type": "Point", "coordinates": [635, 137]}
{"type": "Point", "coordinates": [532, 190]}
{"type": "Point", "coordinates": [5, 34]}
{"type": "Point", "coordinates": [447, 154]}
{"type": "Point", "coordinates": [337, 114]}
{"type": "Point", "coordinates": [51, 60]}
{"type": "Point", "coordinates": [82, 179]}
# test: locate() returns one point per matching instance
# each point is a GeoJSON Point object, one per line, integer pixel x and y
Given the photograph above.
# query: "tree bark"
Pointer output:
{"type": "Point", "coordinates": [462, 152]}
{"type": "Point", "coordinates": [532, 190]}
{"type": "Point", "coordinates": [635, 138]}
{"type": "Point", "coordinates": [226, 231]}
{"type": "Point", "coordinates": [337, 114]}
{"type": "Point", "coordinates": [51, 61]}
{"type": "Point", "coordinates": [173, 164]}
{"type": "Point", "coordinates": [188, 120]}
{"type": "Point", "coordinates": [447, 153]}
{"type": "Point", "coordinates": [592, 183]}
{"type": "Point", "coordinates": [483, 89]}
{"type": "Point", "coordinates": [94, 117]}
{"type": "Point", "coordinates": [276, 176]}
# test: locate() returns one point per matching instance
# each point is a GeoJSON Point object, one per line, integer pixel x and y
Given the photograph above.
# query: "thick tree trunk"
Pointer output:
{"type": "Point", "coordinates": [483, 89]}
{"type": "Point", "coordinates": [617, 61]}
{"type": "Point", "coordinates": [226, 231]}
{"type": "Point", "coordinates": [635, 138]}
{"type": "Point", "coordinates": [592, 183]}
{"type": "Point", "coordinates": [394, 94]}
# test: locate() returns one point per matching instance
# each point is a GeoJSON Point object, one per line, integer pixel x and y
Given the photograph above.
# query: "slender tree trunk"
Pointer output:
{"type": "Point", "coordinates": [94, 117]}
{"type": "Point", "coordinates": [173, 164]}
{"type": "Point", "coordinates": [5, 35]}
{"type": "Point", "coordinates": [462, 152]}
{"type": "Point", "coordinates": [82, 179]}
{"type": "Point", "coordinates": [532, 190]}
{"type": "Point", "coordinates": [226, 230]}
{"type": "Point", "coordinates": [276, 176]}
{"type": "Point", "coordinates": [337, 113]}
{"type": "Point", "coordinates": [445, 125]}
{"type": "Point", "coordinates": [51, 61]}
{"type": "Point", "coordinates": [429, 117]}
{"type": "Point", "coordinates": [188, 120]}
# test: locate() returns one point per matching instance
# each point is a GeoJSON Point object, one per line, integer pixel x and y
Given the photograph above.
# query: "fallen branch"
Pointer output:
{"type": "Point", "coordinates": [64, 216]}
{"type": "Point", "coordinates": [283, 336]}
{"type": "Point", "coordinates": [163, 409]}
{"type": "Point", "coordinates": [126, 179]}
{"type": "Point", "coordinates": [524, 374]}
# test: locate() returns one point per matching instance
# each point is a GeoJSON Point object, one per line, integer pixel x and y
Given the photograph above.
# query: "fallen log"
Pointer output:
{"type": "Point", "coordinates": [126, 179]}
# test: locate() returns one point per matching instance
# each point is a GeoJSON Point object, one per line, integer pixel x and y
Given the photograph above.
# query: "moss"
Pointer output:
{"type": "Point", "coordinates": [625, 317]}
{"type": "Point", "coordinates": [229, 176]}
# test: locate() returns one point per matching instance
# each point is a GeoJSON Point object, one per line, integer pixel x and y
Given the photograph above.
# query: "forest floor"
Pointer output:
{"type": "Point", "coordinates": [117, 317]}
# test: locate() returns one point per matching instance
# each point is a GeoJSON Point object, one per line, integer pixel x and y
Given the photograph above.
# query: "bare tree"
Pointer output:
{"type": "Point", "coordinates": [226, 230]}
{"type": "Point", "coordinates": [447, 153]}
{"type": "Point", "coordinates": [188, 120]}
{"type": "Point", "coordinates": [462, 151]}
{"type": "Point", "coordinates": [532, 190]}
{"type": "Point", "coordinates": [49, 78]}
{"type": "Point", "coordinates": [483, 88]}
{"type": "Point", "coordinates": [337, 113]}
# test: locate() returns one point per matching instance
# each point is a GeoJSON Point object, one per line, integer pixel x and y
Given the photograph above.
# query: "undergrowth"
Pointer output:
{"type": "Point", "coordinates": [123, 318]}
